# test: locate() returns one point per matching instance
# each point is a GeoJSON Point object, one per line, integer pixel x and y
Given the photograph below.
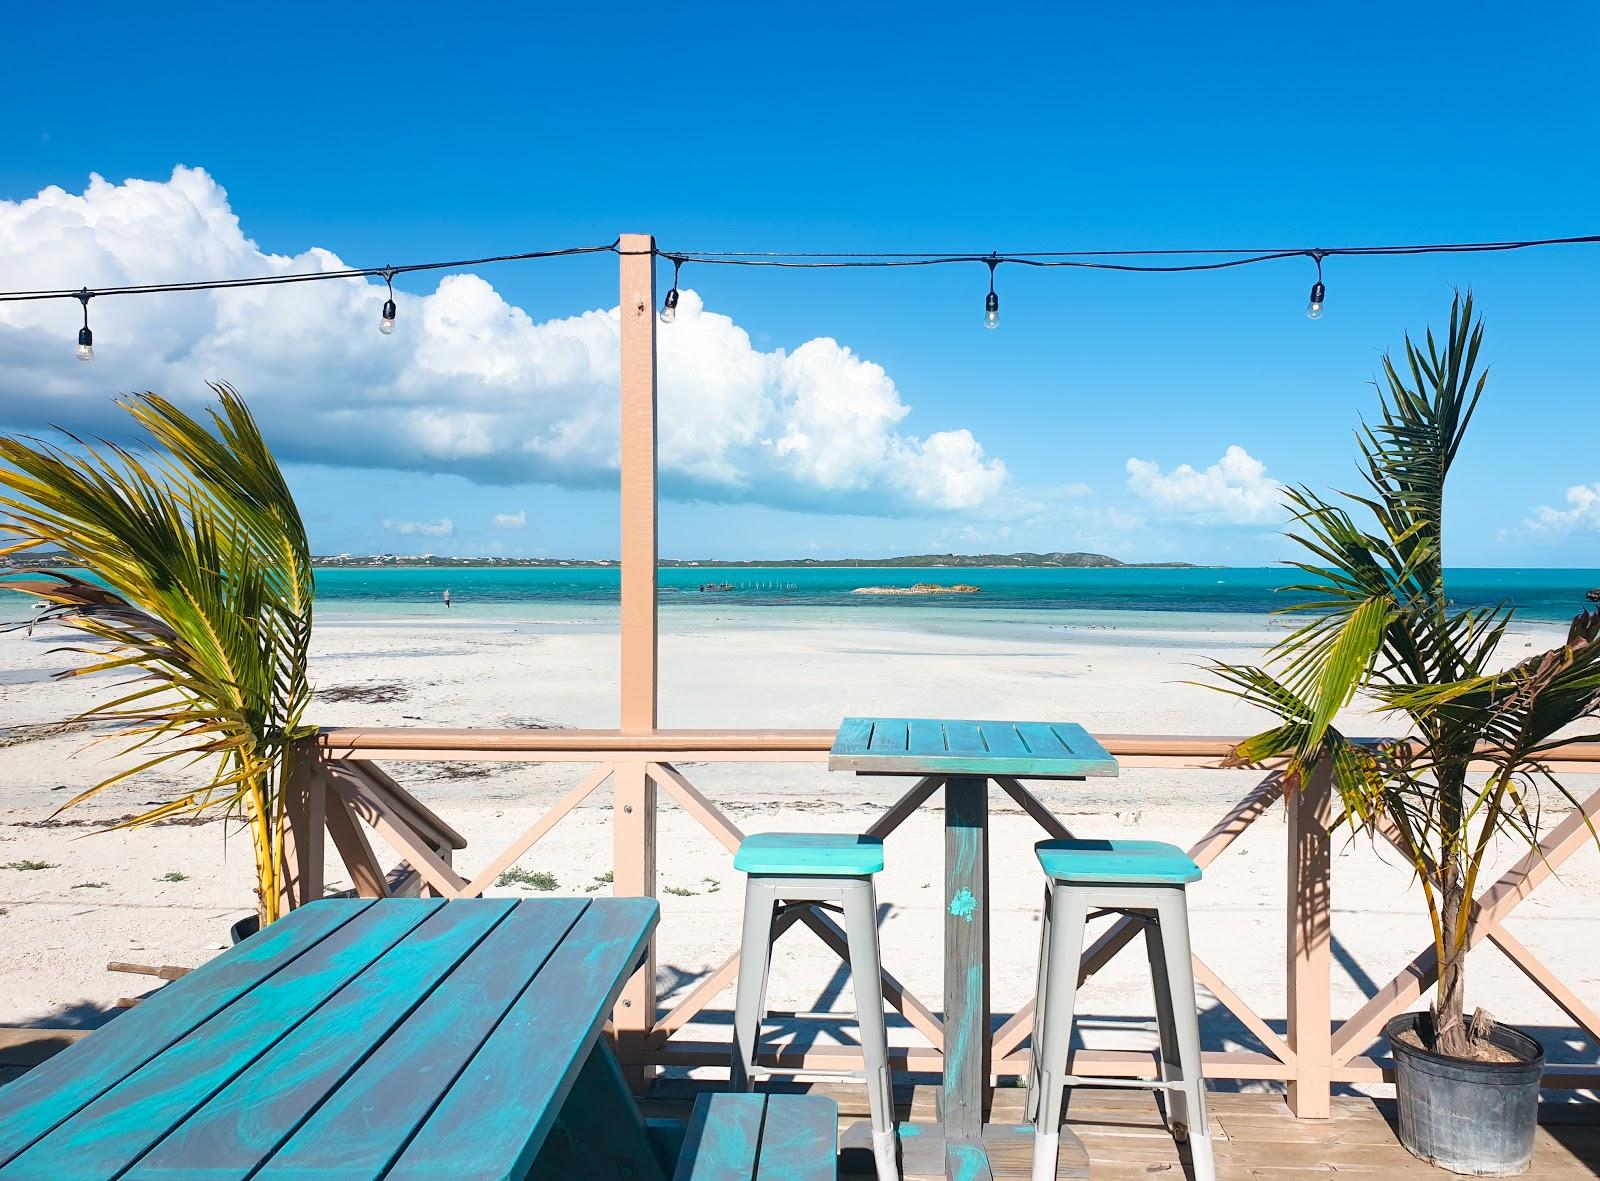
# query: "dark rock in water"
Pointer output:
{"type": "Point", "coordinates": [1594, 595]}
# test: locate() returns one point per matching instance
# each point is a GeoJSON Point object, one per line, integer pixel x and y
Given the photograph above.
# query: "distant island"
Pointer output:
{"type": "Point", "coordinates": [921, 588]}
{"type": "Point", "coordinates": [1069, 561]}
{"type": "Point", "coordinates": [1073, 561]}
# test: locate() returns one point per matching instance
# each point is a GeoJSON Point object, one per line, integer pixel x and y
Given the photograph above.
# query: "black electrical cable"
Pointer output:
{"type": "Point", "coordinates": [1082, 259]}
{"type": "Point", "coordinates": [311, 277]}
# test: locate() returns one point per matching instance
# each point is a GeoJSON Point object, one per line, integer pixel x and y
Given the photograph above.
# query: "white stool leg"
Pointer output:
{"type": "Point", "coordinates": [755, 957]}
{"type": "Point", "coordinates": [1053, 1029]}
{"type": "Point", "coordinates": [1040, 990]}
{"type": "Point", "coordinates": [1174, 917]}
{"type": "Point", "coordinates": [861, 930]}
{"type": "Point", "coordinates": [1172, 1101]}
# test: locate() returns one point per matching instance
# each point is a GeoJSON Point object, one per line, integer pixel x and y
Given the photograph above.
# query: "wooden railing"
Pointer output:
{"type": "Point", "coordinates": [344, 795]}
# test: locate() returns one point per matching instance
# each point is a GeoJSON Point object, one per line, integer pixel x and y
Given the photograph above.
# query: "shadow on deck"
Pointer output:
{"type": "Point", "coordinates": [1254, 1133]}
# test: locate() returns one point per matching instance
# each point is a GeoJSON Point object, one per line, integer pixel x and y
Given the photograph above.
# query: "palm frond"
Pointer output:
{"type": "Point", "coordinates": [205, 589]}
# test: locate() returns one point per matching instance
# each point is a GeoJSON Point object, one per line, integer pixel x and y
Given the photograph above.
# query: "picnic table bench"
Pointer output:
{"type": "Point", "coordinates": [745, 1137]}
{"type": "Point", "coordinates": [360, 1039]}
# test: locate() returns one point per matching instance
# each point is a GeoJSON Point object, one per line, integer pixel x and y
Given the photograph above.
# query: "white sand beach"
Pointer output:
{"type": "Point", "coordinates": [167, 895]}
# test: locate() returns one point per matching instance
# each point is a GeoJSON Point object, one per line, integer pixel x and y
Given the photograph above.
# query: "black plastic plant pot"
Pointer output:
{"type": "Point", "coordinates": [244, 928]}
{"type": "Point", "coordinates": [1474, 1118]}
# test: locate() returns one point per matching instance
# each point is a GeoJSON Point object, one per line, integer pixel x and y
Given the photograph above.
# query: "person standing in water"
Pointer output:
{"type": "Point", "coordinates": [447, 598]}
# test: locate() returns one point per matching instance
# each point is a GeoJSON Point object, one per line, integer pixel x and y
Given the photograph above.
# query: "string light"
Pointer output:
{"type": "Point", "coordinates": [1215, 258]}
{"type": "Point", "coordinates": [85, 337]}
{"type": "Point", "coordinates": [669, 306]}
{"type": "Point", "coordinates": [386, 325]}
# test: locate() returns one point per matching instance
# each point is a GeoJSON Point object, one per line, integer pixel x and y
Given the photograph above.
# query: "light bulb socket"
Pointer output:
{"type": "Point", "coordinates": [991, 304]}
{"type": "Point", "coordinates": [85, 338]}
{"type": "Point", "coordinates": [388, 309]}
{"type": "Point", "coordinates": [1318, 291]}
{"type": "Point", "coordinates": [671, 302]}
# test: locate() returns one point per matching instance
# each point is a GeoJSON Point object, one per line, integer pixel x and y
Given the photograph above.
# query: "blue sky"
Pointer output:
{"type": "Point", "coordinates": [400, 134]}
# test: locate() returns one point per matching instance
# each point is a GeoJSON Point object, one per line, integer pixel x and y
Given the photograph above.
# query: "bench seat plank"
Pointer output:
{"type": "Point", "coordinates": [747, 1137]}
{"type": "Point", "coordinates": [800, 1139]}
{"type": "Point", "coordinates": [723, 1138]}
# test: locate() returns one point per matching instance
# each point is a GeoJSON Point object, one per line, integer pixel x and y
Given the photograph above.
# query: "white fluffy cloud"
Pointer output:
{"type": "Point", "coordinates": [467, 384]}
{"type": "Point", "coordinates": [1582, 512]}
{"type": "Point", "coordinates": [443, 527]}
{"type": "Point", "coordinates": [1235, 490]}
{"type": "Point", "coordinates": [516, 520]}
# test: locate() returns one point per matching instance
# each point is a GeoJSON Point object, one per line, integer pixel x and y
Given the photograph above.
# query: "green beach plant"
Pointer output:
{"type": "Point", "coordinates": [206, 602]}
{"type": "Point", "coordinates": [1379, 621]}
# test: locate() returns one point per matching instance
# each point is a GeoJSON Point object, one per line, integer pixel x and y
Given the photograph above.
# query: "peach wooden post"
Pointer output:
{"type": "Point", "coordinates": [1310, 965]}
{"type": "Point", "coordinates": [634, 792]}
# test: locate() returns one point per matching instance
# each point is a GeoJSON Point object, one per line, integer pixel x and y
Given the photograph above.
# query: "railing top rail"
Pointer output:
{"type": "Point", "coordinates": [1194, 750]}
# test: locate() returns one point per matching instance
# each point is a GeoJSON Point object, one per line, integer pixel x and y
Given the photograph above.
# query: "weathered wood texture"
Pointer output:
{"type": "Point", "coordinates": [1256, 1135]}
{"type": "Point", "coordinates": [637, 315]}
{"type": "Point", "coordinates": [749, 1137]}
{"type": "Point", "coordinates": [653, 1039]}
{"type": "Point", "coordinates": [395, 1038]}
{"type": "Point", "coordinates": [932, 746]}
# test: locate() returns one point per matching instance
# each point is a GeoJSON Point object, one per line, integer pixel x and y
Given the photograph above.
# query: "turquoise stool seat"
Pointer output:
{"type": "Point", "coordinates": [802, 853]}
{"type": "Point", "coordinates": [1105, 862]}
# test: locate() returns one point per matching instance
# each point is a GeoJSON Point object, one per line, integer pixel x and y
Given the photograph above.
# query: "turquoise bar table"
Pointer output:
{"type": "Point", "coordinates": [359, 1039]}
{"type": "Point", "coordinates": [967, 755]}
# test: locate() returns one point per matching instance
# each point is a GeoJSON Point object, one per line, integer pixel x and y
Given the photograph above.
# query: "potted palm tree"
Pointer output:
{"type": "Point", "coordinates": [202, 591]}
{"type": "Point", "coordinates": [1471, 768]}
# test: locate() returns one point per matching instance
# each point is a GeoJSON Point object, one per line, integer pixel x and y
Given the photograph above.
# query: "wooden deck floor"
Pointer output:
{"type": "Point", "coordinates": [1255, 1135]}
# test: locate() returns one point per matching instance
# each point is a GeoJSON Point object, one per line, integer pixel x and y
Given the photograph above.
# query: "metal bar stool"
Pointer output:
{"type": "Point", "coordinates": [807, 869]}
{"type": "Point", "coordinates": [1144, 880]}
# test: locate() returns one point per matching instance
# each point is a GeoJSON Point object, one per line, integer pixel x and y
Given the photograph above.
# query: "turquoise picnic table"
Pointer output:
{"type": "Point", "coordinates": [359, 1039]}
{"type": "Point", "coordinates": [966, 756]}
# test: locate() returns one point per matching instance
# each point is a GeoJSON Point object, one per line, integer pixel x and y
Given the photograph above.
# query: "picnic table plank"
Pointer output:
{"type": "Point", "coordinates": [362, 1127]}
{"type": "Point", "coordinates": [889, 736]}
{"type": "Point", "coordinates": [1001, 738]}
{"type": "Point", "coordinates": [925, 736]}
{"type": "Point", "coordinates": [527, 1062]}
{"type": "Point", "coordinates": [854, 734]}
{"type": "Point", "coordinates": [963, 738]}
{"type": "Point", "coordinates": [243, 1124]}
{"type": "Point", "coordinates": [926, 746]}
{"type": "Point", "coordinates": [723, 1138]}
{"type": "Point", "coordinates": [800, 1139]}
{"type": "Point", "coordinates": [52, 1092]}
{"type": "Point", "coordinates": [106, 1136]}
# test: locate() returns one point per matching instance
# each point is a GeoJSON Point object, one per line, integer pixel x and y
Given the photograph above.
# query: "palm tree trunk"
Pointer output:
{"type": "Point", "coordinates": [1450, 1031]}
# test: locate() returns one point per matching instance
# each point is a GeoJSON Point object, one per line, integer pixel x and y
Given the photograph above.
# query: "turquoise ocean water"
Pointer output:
{"type": "Point", "coordinates": [1201, 599]}
{"type": "Point", "coordinates": [1544, 596]}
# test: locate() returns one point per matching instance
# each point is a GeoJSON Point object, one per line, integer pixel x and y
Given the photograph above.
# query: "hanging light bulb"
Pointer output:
{"type": "Point", "coordinates": [1318, 291]}
{"type": "Point", "coordinates": [669, 306]}
{"type": "Point", "coordinates": [991, 302]}
{"type": "Point", "coordinates": [386, 325]}
{"type": "Point", "coordinates": [85, 351]}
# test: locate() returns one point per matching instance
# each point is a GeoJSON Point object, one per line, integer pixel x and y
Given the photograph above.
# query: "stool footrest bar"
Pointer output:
{"type": "Point", "coordinates": [1073, 1080]}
